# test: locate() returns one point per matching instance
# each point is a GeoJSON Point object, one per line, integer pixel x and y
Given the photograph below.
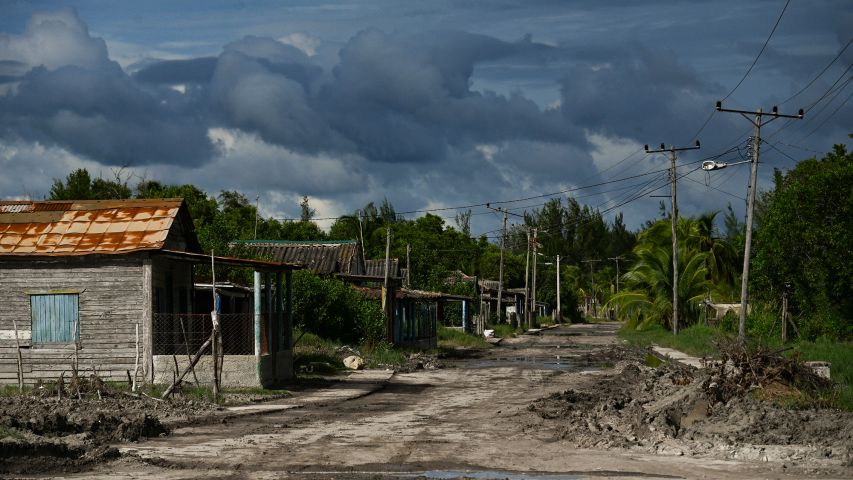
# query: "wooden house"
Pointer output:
{"type": "Point", "coordinates": [110, 283]}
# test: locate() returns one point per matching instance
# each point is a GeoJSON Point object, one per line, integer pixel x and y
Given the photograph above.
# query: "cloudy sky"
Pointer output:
{"type": "Point", "coordinates": [434, 105]}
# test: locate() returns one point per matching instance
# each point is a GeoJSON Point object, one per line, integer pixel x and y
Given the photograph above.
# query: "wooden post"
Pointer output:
{"type": "Point", "coordinates": [279, 297]}
{"type": "Point", "coordinates": [289, 282]}
{"type": "Point", "coordinates": [386, 290]}
{"type": "Point", "coordinates": [192, 364]}
{"type": "Point", "coordinates": [76, 343]}
{"type": "Point", "coordinates": [784, 317]}
{"type": "Point", "coordinates": [20, 361]}
{"type": "Point", "coordinates": [187, 349]}
{"type": "Point", "coordinates": [214, 357]}
{"type": "Point", "coordinates": [147, 319]}
{"type": "Point", "coordinates": [136, 360]}
{"type": "Point", "coordinates": [408, 266]}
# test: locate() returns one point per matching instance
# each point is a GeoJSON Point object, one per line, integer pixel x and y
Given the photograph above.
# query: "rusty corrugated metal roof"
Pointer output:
{"type": "Point", "coordinates": [86, 226]}
{"type": "Point", "coordinates": [320, 257]}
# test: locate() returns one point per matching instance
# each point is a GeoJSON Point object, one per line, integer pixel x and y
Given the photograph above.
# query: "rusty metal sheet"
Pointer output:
{"type": "Point", "coordinates": [30, 217]}
{"type": "Point", "coordinates": [92, 226]}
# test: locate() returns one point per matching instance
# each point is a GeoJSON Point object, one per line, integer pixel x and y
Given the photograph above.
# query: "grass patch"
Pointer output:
{"type": "Point", "coordinates": [696, 340]}
{"type": "Point", "coordinates": [505, 330]}
{"type": "Point", "coordinates": [13, 391]}
{"type": "Point", "coordinates": [388, 356]}
{"type": "Point", "coordinates": [7, 433]}
{"type": "Point", "coordinates": [455, 338]}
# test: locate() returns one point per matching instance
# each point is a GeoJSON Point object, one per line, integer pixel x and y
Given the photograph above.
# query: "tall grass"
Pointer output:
{"type": "Point", "coordinates": [455, 338]}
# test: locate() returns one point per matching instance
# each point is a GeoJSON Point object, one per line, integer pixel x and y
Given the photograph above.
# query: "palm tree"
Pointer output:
{"type": "Point", "coordinates": [646, 298]}
{"type": "Point", "coordinates": [699, 234]}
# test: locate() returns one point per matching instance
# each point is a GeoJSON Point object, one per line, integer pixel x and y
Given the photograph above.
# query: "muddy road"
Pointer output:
{"type": "Point", "coordinates": [504, 413]}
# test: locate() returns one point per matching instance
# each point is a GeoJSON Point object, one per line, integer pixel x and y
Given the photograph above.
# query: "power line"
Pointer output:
{"type": "Point", "coordinates": [759, 53]}
{"type": "Point", "coordinates": [820, 74]}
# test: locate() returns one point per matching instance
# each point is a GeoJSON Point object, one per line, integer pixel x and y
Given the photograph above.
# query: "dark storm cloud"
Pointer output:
{"type": "Point", "coordinates": [75, 97]}
{"type": "Point", "coordinates": [103, 116]}
{"type": "Point", "coordinates": [176, 72]}
{"type": "Point", "coordinates": [639, 99]}
{"type": "Point", "coordinates": [407, 97]}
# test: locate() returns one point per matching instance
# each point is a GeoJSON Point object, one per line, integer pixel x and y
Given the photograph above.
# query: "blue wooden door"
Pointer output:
{"type": "Point", "coordinates": [54, 317]}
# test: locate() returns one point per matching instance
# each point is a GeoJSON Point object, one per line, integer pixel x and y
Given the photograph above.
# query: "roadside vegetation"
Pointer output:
{"type": "Point", "coordinates": [701, 341]}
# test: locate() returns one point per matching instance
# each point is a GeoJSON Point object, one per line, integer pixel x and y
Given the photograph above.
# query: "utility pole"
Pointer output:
{"type": "Point", "coordinates": [672, 151]}
{"type": "Point", "coordinates": [257, 203]}
{"type": "Point", "coordinates": [592, 276]}
{"type": "Point", "coordinates": [526, 269]}
{"type": "Point", "coordinates": [363, 255]}
{"type": "Point", "coordinates": [559, 312]}
{"type": "Point", "coordinates": [533, 312]}
{"type": "Point", "coordinates": [756, 142]}
{"type": "Point", "coordinates": [408, 266]}
{"type": "Point", "coordinates": [387, 300]}
{"type": "Point", "coordinates": [616, 259]}
{"type": "Point", "coordinates": [501, 275]}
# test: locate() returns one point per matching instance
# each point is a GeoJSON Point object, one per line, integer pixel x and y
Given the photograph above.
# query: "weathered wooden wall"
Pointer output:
{"type": "Point", "coordinates": [110, 307]}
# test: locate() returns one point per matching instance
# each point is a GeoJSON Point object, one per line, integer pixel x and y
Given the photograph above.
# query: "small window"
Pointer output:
{"type": "Point", "coordinates": [55, 317]}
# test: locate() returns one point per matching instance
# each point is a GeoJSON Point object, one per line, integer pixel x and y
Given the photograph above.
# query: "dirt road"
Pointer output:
{"type": "Point", "coordinates": [474, 416]}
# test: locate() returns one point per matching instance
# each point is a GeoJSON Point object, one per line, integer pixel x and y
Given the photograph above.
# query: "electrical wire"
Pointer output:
{"type": "Point", "coordinates": [760, 52]}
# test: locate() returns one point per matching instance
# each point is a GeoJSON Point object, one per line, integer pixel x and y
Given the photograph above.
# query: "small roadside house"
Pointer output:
{"type": "Point", "coordinates": [111, 282]}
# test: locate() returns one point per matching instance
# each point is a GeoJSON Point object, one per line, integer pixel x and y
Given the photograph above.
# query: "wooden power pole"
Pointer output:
{"type": "Point", "coordinates": [672, 151]}
{"type": "Point", "coordinates": [501, 274]}
{"type": "Point", "coordinates": [710, 165]}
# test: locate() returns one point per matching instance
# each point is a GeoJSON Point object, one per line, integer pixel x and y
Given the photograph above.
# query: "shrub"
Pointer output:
{"type": "Point", "coordinates": [334, 309]}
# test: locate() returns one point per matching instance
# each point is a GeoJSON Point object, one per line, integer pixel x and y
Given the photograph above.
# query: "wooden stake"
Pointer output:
{"type": "Point", "coordinates": [136, 362]}
{"type": "Point", "coordinates": [187, 349]}
{"type": "Point", "coordinates": [189, 367]}
{"type": "Point", "coordinates": [784, 317]}
{"type": "Point", "coordinates": [20, 361]}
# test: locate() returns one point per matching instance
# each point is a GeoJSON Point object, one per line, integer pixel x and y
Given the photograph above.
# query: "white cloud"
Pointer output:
{"type": "Point", "coordinates": [302, 41]}
{"type": "Point", "coordinates": [609, 151]}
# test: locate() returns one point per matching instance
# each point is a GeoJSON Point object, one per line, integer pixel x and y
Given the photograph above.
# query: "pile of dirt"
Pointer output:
{"type": "Point", "coordinates": [666, 410]}
{"type": "Point", "coordinates": [421, 361]}
{"type": "Point", "coordinates": [42, 433]}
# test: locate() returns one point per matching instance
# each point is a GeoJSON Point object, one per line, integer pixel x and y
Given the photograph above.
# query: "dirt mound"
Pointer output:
{"type": "Point", "coordinates": [40, 434]}
{"type": "Point", "coordinates": [420, 361]}
{"type": "Point", "coordinates": [665, 410]}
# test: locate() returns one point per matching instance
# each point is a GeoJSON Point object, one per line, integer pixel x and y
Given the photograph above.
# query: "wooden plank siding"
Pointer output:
{"type": "Point", "coordinates": [110, 305]}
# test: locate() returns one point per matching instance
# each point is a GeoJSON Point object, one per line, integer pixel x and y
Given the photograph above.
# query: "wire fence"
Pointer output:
{"type": "Point", "coordinates": [184, 333]}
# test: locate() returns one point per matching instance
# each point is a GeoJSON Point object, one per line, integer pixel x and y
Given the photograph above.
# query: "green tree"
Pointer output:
{"type": "Point", "coordinates": [806, 240]}
{"type": "Point", "coordinates": [307, 212]}
{"type": "Point", "coordinates": [79, 185]}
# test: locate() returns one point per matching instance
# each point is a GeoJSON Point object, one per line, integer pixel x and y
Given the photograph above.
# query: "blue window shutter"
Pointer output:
{"type": "Point", "coordinates": [54, 317]}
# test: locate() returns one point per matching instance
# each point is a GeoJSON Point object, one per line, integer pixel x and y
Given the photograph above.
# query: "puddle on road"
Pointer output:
{"type": "Point", "coordinates": [553, 362]}
{"type": "Point", "coordinates": [444, 474]}
{"type": "Point", "coordinates": [653, 361]}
